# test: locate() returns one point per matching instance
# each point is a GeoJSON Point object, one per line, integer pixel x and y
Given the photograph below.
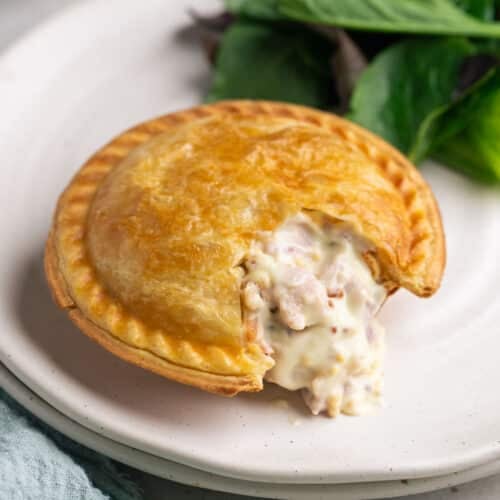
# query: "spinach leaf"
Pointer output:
{"type": "Point", "coordinates": [259, 9]}
{"type": "Point", "coordinates": [488, 10]}
{"type": "Point", "coordinates": [404, 84]}
{"type": "Point", "coordinates": [466, 135]}
{"type": "Point", "coordinates": [438, 17]}
{"type": "Point", "coordinates": [448, 120]}
{"type": "Point", "coordinates": [276, 62]}
{"type": "Point", "coordinates": [482, 9]}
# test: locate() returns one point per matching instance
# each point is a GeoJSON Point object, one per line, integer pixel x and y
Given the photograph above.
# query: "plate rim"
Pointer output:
{"type": "Point", "coordinates": [190, 476]}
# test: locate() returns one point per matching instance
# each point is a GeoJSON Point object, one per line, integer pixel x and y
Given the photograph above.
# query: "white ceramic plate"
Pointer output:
{"type": "Point", "coordinates": [183, 474]}
{"type": "Point", "coordinates": [103, 66]}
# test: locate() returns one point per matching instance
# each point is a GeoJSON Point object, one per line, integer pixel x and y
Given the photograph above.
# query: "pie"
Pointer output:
{"type": "Point", "coordinates": [243, 240]}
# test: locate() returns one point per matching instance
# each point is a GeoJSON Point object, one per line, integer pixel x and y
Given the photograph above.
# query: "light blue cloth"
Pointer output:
{"type": "Point", "coordinates": [38, 463]}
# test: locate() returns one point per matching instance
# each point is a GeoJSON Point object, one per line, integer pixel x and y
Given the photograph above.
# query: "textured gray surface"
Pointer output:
{"type": "Point", "coordinates": [18, 16]}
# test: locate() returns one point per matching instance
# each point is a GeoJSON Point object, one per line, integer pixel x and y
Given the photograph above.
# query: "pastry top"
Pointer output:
{"type": "Point", "coordinates": [151, 234]}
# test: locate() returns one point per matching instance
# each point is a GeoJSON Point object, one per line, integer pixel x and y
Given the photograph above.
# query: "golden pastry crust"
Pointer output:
{"type": "Point", "coordinates": [225, 385]}
{"type": "Point", "coordinates": [148, 238]}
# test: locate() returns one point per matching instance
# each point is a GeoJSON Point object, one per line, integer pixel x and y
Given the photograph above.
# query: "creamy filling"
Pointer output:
{"type": "Point", "coordinates": [312, 301]}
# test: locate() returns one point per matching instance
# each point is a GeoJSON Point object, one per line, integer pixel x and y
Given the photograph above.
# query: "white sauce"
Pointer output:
{"type": "Point", "coordinates": [314, 301]}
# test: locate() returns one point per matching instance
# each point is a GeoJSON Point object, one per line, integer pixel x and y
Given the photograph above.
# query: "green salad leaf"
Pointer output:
{"type": "Point", "coordinates": [276, 62]}
{"type": "Point", "coordinates": [482, 9]}
{"type": "Point", "coordinates": [466, 135]}
{"type": "Point", "coordinates": [259, 9]}
{"type": "Point", "coordinates": [405, 84]}
{"type": "Point", "coordinates": [427, 17]}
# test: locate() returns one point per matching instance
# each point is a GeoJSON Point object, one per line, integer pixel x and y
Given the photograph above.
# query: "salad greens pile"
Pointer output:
{"type": "Point", "coordinates": [423, 74]}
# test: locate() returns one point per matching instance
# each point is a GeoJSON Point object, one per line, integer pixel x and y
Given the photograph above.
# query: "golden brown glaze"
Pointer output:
{"type": "Point", "coordinates": [149, 236]}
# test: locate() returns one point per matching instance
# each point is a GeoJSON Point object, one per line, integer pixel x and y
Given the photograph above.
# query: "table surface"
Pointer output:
{"type": "Point", "coordinates": [17, 17]}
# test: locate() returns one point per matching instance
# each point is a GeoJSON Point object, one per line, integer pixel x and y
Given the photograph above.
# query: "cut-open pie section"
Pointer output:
{"type": "Point", "coordinates": [312, 300]}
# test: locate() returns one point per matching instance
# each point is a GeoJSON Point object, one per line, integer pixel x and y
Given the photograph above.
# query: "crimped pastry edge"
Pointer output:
{"type": "Point", "coordinates": [224, 385]}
